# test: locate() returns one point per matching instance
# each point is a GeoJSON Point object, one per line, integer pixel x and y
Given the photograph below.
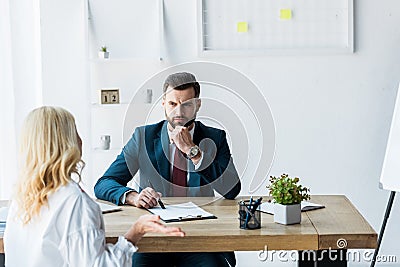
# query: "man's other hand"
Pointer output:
{"type": "Point", "coordinates": [147, 198]}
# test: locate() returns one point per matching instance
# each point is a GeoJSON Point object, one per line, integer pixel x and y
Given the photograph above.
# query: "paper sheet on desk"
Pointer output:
{"type": "Point", "coordinates": [181, 212]}
{"type": "Point", "coordinates": [268, 207]}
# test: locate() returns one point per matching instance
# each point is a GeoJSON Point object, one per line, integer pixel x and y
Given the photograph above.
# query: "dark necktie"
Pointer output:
{"type": "Point", "coordinates": [179, 174]}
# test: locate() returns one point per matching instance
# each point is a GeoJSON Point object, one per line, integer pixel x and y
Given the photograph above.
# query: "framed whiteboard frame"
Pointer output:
{"type": "Point", "coordinates": [202, 52]}
{"type": "Point", "coordinates": [389, 179]}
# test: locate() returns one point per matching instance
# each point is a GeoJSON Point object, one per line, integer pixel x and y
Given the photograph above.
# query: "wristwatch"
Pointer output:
{"type": "Point", "coordinates": [193, 152]}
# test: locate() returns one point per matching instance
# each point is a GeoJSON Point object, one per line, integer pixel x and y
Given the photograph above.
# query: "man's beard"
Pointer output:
{"type": "Point", "coordinates": [177, 123]}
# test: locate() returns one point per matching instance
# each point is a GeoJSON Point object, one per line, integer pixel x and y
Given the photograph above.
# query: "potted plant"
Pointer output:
{"type": "Point", "coordinates": [103, 53]}
{"type": "Point", "coordinates": [287, 195]}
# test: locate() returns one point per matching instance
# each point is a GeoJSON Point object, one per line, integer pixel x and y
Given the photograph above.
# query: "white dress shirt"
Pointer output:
{"type": "Point", "coordinates": [69, 231]}
{"type": "Point", "coordinates": [172, 149]}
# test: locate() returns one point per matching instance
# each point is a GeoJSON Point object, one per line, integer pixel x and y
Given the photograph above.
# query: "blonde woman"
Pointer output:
{"type": "Point", "coordinates": [51, 221]}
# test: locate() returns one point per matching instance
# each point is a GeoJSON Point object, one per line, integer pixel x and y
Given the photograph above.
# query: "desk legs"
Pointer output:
{"type": "Point", "coordinates": [322, 258]}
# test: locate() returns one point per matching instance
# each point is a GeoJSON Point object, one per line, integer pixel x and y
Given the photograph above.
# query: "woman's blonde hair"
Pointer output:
{"type": "Point", "coordinates": [50, 151]}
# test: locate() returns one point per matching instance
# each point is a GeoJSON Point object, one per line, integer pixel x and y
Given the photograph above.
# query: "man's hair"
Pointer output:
{"type": "Point", "coordinates": [182, 81]}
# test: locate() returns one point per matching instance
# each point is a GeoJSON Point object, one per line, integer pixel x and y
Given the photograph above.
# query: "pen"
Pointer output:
{"type": "Point", "coordinates": [256, 204]}
{"type": "Point", "coordinates": [251, 202]}
{"type": "Point", "coordinates": [159, 199]}
{"type": "Point", "coordinates": [248, 213]}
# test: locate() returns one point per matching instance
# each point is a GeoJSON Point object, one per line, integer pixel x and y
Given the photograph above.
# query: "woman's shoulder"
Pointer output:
{"type": "Point", "coordinates": [74, 199]}
{"type": "Point", "coordinates": [71, 212]}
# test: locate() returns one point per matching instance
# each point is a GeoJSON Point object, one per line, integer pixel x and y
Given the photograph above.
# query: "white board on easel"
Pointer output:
{"type": "Point", "coordinates": [390, 175]}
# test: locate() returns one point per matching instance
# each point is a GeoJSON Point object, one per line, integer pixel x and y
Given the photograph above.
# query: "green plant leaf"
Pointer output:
{"type": "Point", "coordinates": [286, 190]}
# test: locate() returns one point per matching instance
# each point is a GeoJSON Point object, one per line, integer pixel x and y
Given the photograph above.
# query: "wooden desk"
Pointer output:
{"type": "Point", "coordinates": [319, 229]}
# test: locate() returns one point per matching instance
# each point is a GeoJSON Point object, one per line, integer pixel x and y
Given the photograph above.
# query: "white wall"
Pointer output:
{"type": "Point", "coordinates": [20, 78]}
{"type": "Point", "coordinates": [25, 41]}
{"type": "Point", "coordinates": [64, 62]}
{"type": "Point", "coordinates": [332, 112]}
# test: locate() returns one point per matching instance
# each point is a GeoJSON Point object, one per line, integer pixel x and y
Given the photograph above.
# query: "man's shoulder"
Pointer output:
{"type": "Point", "coordinates": [209, 131]}
{"type": "Point", "coordinates": [151, 128]}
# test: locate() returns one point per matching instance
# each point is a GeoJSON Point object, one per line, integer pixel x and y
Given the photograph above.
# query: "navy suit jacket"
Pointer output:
{"type": "Point", "coordinates": [148, 152]}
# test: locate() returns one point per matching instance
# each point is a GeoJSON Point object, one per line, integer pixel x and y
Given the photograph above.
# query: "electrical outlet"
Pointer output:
{"type": "Point", "coordinates": [109, 96]}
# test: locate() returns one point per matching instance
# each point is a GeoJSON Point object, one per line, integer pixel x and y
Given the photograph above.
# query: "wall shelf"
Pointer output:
{"type": "Point", "coordinates": [135, 39]}
{"type": "Point", "coordinates": [125, 60]}
{"type": "Point", "coordinates": [128, 32]}
{"type": "Point", "coordinates": [97, 105]}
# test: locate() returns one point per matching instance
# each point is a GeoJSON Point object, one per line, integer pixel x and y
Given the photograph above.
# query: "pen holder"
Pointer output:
{"type": "Point", "coordinates": [248, 217]}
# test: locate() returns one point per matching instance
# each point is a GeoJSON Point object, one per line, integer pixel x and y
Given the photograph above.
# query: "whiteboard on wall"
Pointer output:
{"type": "Point", "coordinates": [275, 26]}
{"type": "Point", "coordinates": [390, 176]}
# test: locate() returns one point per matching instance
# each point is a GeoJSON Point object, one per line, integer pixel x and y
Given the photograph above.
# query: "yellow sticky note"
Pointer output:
{"type": "Point", "coordinates": [285, 14]}
{"type": "Point", "coordinates": [242, 26]}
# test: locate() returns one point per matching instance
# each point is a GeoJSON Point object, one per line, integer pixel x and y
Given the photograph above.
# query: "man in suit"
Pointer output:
{"type": "Point", "coordinates": [179, 157]}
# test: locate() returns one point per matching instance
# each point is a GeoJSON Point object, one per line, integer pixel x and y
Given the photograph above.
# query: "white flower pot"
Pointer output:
{"type": "Point", "coordinates": [287, 214]}
{"type": "Point", "coordinates": [104, 55]}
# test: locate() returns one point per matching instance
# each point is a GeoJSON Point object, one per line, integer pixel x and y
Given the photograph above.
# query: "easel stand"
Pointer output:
{"type": "Point", "coordinates": [385, 219]}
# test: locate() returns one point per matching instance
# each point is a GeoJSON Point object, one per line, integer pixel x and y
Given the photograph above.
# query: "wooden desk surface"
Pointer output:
{"type": "Point", "coordinates": [319, 229]}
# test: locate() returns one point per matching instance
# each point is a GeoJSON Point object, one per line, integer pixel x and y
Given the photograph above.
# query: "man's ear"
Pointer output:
{"type": "Point", "coordinates": [163, 101]}
{"type": "Point", "coordinates": [198, 104]}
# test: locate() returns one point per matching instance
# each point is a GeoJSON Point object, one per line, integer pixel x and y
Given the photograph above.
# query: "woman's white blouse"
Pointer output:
{"type": "Point", "coordinates": [67, 232]}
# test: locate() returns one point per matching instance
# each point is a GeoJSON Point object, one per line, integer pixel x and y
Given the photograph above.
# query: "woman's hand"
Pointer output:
{"type": "Point", "coordinates": [150, 224]}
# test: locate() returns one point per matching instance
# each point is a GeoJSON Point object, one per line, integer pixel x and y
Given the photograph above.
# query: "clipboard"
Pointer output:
{"type": "Point", "coordinates": [182, 212]}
